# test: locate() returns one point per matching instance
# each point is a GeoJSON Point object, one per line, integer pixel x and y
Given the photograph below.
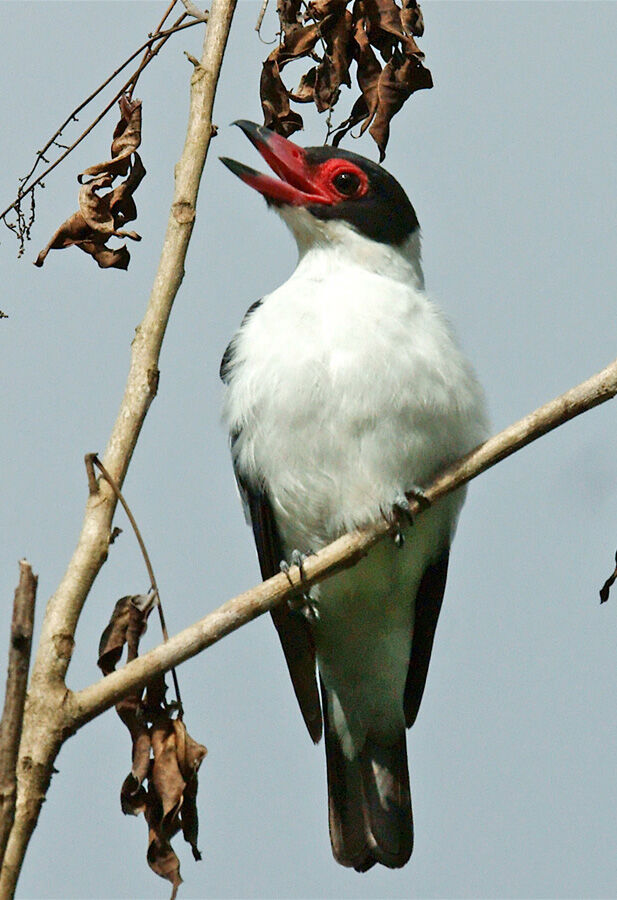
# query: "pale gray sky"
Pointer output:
{"type": "Point", "coordinates": [510, 162]}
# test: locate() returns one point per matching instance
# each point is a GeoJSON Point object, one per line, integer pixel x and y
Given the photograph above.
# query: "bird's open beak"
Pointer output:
{"type": "Point", "coordinates": [295, 185]}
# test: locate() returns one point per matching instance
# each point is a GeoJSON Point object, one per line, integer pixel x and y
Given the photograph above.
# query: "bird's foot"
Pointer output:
{"type": "Point", "coordinates": [300, 602]}
{"type": "Point", "coordinates": [417, 493]}
{"type": "Point", "coordinates": [296, 559]}
{"type": "Point", "coordinates": [401, 514]}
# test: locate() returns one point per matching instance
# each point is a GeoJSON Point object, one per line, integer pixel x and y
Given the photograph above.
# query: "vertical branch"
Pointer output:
{"type": "Point", "coordinates": [45, 727]}
{"type": "Point", "coordinates": [15, 698]}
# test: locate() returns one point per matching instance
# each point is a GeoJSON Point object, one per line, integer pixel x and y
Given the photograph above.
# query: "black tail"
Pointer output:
{"type": "Point", "coordinates": [369, 802]}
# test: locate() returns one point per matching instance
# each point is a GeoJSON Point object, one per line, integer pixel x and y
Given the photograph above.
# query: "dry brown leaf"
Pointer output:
{"type": "Point", "coordinates": [126, 140]}
{"type": "Point", "coordinates": [121, 202]}
{"type": "Point", "coordinates": [160, 854]}
{"type": "Point", "coordinates": [398, 80]}
{"type": "Point", "coordinates": [289, 13]}
{"type": "Point", "coordinates": [162, 783]}
{"type": "Point", "coordinates": [321, 9]}
{"type": "Point", "coordinates": [126, 625]}
{"type": "Point", "coordinates": [278, 114]}
{"type": "Point", "coordinates": [335, 37]}
{"type": "Point", "coordinates": [102, 215]}
{"type": "Point", "coordinates": [166, 776]}
{"type": "Point", "coordinates": [305, 92]}
{"type": "Point", "coordinates": [333, 71]}
{"type": "Point", "coordinates": [172, 795]}
{"type": "Point", "coordinates": [412, 19]}
{"type": "Point", "coordinates": [190, 756]}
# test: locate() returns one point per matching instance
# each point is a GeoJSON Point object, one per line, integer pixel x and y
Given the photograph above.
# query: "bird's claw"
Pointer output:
{"type": "Point", "coordinates": [418, 494]}
{"type": "Point", "coordinates": [401, 513]}
{"type": "Point", "coordinates": [296, 559]}
{"type": "Point", "coordinates": [299, 602]}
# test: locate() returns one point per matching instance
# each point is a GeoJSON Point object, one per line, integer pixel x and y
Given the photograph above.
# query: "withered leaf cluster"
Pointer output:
{"type": "Point", "coordinates": [333, 34]}
{"type": "Point", "coordinates": [104, 210]}
{"type": "Point", "coordinates": [162, 783]}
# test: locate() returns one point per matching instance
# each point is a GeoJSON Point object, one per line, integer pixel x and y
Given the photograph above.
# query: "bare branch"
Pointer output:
{"type": "Point", "coordinates": [342, 553]}
{"type": "Point", "coordinates": [192, 10]}
{"type": "Point", "coordinates": [45, 726]}
{"type": "Point", "coordinates": [15, 698]}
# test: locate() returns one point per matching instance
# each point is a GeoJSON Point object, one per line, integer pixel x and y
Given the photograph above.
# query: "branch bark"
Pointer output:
{"type": "Point", "coordinates": [14, 701]}
{"type": "Point", "coordinates": [342, 553]}
{"type": "Point", "coordinates": [45, 721]}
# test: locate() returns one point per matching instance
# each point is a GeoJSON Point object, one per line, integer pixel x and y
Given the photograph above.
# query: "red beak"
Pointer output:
{"type": "Point", "coordinates": [297, 185]}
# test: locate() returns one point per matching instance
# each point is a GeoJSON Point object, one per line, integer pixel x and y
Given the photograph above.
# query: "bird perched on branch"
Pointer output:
{"type": "Point", "coordinates": [345, 391]}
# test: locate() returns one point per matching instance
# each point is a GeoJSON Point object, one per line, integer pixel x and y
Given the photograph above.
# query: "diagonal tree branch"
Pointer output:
{"type": "Point", "coordinates": [342, 553]}
{"type": "Point", "coordinates": [45, 724]}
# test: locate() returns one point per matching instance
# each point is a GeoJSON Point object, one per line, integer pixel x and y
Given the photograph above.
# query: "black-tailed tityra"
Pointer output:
{"type": "Point", "coordinates": [344, 389]}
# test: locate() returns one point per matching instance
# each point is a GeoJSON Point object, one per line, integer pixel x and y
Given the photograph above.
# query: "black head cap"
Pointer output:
{"type": "Point", "coordinates": [384, 213]}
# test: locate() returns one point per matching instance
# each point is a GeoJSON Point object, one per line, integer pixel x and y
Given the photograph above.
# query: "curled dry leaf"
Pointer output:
{"type": "Point", "coordinates": [102, 215]}
{"type": "Point", "coordinates": [126, 140]}
{"type": "Point", "coordinates": [335, 34]}
{"type": "Point", "coordinates": [162, 783]}
{"type": "Point", "coordinates": [126, 626]}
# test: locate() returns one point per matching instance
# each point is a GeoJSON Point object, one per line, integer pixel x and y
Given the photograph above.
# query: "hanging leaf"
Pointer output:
{"type": "Point", "coordinates": [103, 215]}
{"type": "Point", "coordinates": [335, 35]}
{"type": "Point", "coordinates": [162, 783]}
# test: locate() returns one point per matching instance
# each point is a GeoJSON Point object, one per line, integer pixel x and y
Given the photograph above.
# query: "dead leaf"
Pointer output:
{"type": "Point", "coordinates": [333, 71]}
{"type": "Point", "coordinates": [102, 215]}
{"type": "Point", "coordinates": [305, 92]}
{"type": "Point", "coordinates": [162, 783]}
{"type": "Point", "coordinates": [398, 80]}
{"type": "Point", "coordinates": [335, 37]}
{"type": "Point", "coordinates": [126, 625]}
{"type": "Point", "coordinates": [160, 854]}
{"type": "Point", "coordinates": [126, 140]}
{"type": "Point", "coordinates": [278, 114]}
{"type": "Point", "coordinates": [289, 13]}
{"type": "Point", "coordinates": [412, 19]}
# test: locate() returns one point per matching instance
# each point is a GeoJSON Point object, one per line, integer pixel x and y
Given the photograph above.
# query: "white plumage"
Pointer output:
{"type": "Point", "coordinates": [349, 389]}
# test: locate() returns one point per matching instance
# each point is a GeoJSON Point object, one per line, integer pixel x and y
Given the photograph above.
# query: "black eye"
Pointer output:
{"type": "Point", "coordinates": [346, 183]}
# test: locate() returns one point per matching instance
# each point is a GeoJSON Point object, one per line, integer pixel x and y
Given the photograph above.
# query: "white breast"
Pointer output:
{"type": "Point", "coordinates": [347, 389]}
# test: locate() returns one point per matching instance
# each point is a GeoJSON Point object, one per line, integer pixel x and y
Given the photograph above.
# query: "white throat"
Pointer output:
{"type": "Point", "coordinates": [335, 241]}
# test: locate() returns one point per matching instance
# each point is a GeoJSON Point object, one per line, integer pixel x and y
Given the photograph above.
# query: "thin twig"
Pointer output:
{"type": "Point", "coordinates": [151, 52]}
{"type": "Point", "coordinates": [23, 191]}
{"type": "Point", "coordinates": [166, 15]}
{"type": "Point", "coordinates": [15, 698]}
{"type": "Point", "coordinates": [341, 554]}
{"type": "Point", "coordinates": [93, 460]}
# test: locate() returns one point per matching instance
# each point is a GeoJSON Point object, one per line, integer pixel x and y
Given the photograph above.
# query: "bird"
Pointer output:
{"type": "Point", "coordinates": [346, 392]}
